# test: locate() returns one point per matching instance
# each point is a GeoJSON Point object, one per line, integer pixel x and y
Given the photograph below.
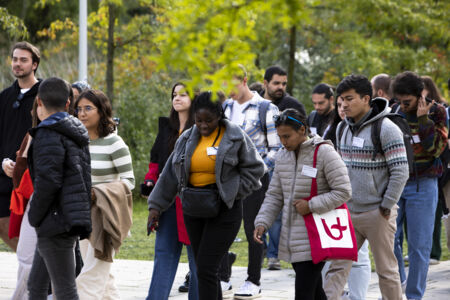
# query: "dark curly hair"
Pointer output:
{"type": "Point", "coordinates": [204, 101]}
{"type": "Point", "coordinates": [106, 123]}
{"type": "Point", "coordinates": [408, 83]}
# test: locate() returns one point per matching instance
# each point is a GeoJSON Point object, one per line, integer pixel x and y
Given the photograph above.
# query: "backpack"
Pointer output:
{"type": "Point", "coordinates": [262, 113]}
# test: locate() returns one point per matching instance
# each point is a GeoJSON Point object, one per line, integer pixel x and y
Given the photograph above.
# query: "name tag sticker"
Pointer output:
{"type": "Point", "coordinates": [211, 151]}
{"type": "Point", "coordinates": [313, 130]}
{"type": "Point", "coordinates": [358, 142]}
{"type": "Point", "coordinates": [309, 171]}
{"type": "Point", "coordinates": [416, 139]}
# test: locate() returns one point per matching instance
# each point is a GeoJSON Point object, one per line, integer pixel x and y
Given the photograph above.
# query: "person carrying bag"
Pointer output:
{"type": "Point", "coordinates": [294, 172]}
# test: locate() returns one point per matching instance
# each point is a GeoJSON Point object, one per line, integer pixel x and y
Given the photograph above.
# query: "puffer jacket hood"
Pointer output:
{"type": "Point", "coordinates": [67, 125]}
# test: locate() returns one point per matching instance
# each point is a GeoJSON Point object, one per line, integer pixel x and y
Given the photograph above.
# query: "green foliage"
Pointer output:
{"type": "Point", "coordinates": [12, 25]}
{"type": "Point", "coordinates": [139, 105]}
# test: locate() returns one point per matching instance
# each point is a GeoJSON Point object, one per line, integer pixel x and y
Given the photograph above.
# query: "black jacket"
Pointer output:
{"type": "Point", "coordinates": [160, 150]}
{"type": "Point", "coordinates": [288, 102]}
{"type": "Point", "coordinates": [14, 123]}
{"type": "Point", "coordinates": [60, 169]}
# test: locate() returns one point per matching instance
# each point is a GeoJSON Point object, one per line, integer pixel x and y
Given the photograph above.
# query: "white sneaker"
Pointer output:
{"type": "Point", "coordinates": [227, 289]}
{"type": "Point", "coordinates": [434, 261]}
{"type": "Point", "coordinates": [248, 290]}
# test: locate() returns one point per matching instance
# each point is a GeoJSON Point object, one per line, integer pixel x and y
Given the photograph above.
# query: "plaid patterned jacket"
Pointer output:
{"type": "Point", "coordinates": [267, 146]}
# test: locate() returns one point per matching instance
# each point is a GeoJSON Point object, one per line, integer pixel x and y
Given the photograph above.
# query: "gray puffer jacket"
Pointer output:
{"type": "Point", "coordinates": [288, 184]}
{"type": "Point", "coordinates": [238, 168]}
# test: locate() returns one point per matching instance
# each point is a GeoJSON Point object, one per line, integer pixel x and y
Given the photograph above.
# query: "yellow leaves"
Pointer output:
{"type": "Point", "coordinates": [57, 26]}
{"type": "Point", "coordinates": [43, 3]}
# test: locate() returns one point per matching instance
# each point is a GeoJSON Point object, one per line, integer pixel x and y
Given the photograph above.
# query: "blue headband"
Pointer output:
{"type": "Point", "coordinates": [293, 119]}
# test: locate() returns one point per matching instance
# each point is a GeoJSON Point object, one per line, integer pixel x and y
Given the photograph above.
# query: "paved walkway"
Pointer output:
{"type": "Point", "coordinates": [133, 278]}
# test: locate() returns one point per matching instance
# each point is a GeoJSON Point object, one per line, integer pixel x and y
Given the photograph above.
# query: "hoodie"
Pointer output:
{"type": "Point", "coordinates": [378, 182]}
{"type": "Point", "coordinates": [59, 164]}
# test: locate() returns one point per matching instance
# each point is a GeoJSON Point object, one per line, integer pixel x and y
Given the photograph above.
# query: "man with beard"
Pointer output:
{"type": "Point", "coordinates": [323, 100]}
{"type": "Point", "coordinates": [16, 102]}
{"type": "Point", "coordinates": [275, 82]}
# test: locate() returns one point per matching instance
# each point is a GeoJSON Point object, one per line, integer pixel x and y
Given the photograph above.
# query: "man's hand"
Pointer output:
{"type": "Point", "coordinates": [8, 167]}
{"type": "Point", "coordinates": [423, 107]}
{"type": "Point", "coordinates": [385, 212]}
{"type": "Point", "coordinates": [257, 234]}
{"type": "Point", "coordinates": [301, 206]}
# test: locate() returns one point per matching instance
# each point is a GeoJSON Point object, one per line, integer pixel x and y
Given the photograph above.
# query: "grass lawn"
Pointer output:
{"type": "Point", "coordinates": [139, 246]}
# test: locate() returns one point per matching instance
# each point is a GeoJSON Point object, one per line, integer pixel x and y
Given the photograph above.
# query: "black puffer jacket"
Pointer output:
{"type": "Point", "coordinates": [60, 169]}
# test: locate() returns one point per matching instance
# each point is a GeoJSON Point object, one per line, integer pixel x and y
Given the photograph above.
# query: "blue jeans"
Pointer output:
{"type": "Point", "coordinates": [274, 238]}
{"type": "Point", "coordinates": [419, 209]}
{"type": "Point", "coordinates": [167, 256]}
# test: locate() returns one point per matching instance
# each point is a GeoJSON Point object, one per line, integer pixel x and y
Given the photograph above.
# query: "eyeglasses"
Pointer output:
{"type": "Point", "coordinates": [87, 109]}
{"type": "Point", "coordinates": [278, 119]}
{"type": "Point", "coordinates": [17, 103]}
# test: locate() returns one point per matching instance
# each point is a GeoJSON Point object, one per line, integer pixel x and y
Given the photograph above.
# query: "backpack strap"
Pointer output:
{"type": "Point", "coordinates": [339, 132]}
{"type": "Point", "coordinates": [312, 117]}
{"type": "Point", "coordinates": [262, 110]}
{"type": "Point", "coordinates": [375, 134]}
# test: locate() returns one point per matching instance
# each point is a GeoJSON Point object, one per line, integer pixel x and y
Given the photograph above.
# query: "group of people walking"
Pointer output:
{"type": "Point", "coordinates": [73, 178]}
{"type": "Point", "coordinates": [373, 151]}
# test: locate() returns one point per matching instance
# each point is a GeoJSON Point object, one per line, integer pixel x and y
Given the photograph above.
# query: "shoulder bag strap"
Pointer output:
{"type": "Point", "coordinates": [314, 180]}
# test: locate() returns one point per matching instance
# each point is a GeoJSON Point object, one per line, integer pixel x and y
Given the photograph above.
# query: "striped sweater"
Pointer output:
{"type": "Point", "coordinates": [111, 160]}
{"type": "Point", "coordinates": [432, 132]}
{"type": "Point", "coordinates": [378, 182]}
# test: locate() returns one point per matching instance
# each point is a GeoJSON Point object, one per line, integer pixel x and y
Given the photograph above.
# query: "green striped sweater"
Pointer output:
{"type": "Point", "coordinates": [111, 160]}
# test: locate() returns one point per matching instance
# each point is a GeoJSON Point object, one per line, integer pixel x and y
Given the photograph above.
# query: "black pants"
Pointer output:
{"type": "Point", "coordinates": [210, 241]}
{"type": "Point", "coordinates": [54, 260]}
{"type": "Point", "coordinates": [308, 281]}
{"type": "Point", "coordinates": [251, 206]}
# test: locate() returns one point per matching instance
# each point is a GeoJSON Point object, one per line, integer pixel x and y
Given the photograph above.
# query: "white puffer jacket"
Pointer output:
{"type": "Point", "coordinates": [288, 184]}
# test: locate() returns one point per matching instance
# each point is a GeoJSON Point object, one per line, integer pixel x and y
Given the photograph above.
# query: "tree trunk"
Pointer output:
{"type": "Point", "coordinates": [292, 44]}
{"type": "Point", "coordinates": [110, 53]}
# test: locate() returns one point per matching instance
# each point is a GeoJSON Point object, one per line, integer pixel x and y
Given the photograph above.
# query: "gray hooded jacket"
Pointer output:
{"type": "Point", "coordinates": [378, 182]}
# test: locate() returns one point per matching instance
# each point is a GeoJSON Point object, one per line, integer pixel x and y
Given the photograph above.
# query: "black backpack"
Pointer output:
{"type": "Point", "coordinates": [401, 123]}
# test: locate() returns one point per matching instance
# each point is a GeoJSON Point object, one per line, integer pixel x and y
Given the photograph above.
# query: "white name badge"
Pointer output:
{"type": "Point", "coordinates": [313, 130]}
{"type": "Point", "coordinates": [358, 142]}
{"type": "Point", "coordinates": [309, 171]}
{"type": "Point", "coordinates": [416, 139]}
{"type": "Point", "coordinates": [211, 151]}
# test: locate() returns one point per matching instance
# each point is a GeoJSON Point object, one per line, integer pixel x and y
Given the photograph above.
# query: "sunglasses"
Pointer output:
{"type": "Point", "coordinates": [279, 119]}
{"type": "Point", "coordinates": [17, 103]}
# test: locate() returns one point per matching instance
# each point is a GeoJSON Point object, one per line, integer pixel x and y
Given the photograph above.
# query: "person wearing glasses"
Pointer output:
{"type": "Point", "coordinates": [112, 182]}
{"type": "Point", "coordinates": [290, 185]}
{"type": "Point", "coordinates": [16, 103]}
